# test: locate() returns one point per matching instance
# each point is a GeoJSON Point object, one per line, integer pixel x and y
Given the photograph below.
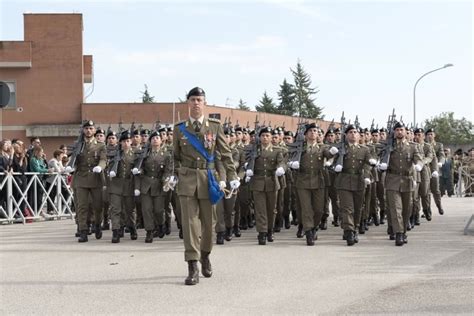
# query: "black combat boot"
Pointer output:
{"type": "Point", "coordinates": [193, 276]}
{"type": "Point", "coordinates": [287, 222]}
{"type": "Point", "coordinates": [324, 222]}
{"type": "Point", "coordinates": [262, 238]}
{"type": "Point", "coordinates": [382, 217]}
{"type": "Point", "coordinates": [356, 236]}
{"type": "Point", "coordinates": [315, 233]}
{"type": "Point", "coordinates": [149, 237]}
{"type": "Point", "coordinates": [115, 236]}
{"type": "Point", "coordinates": [349, 234]}
{"type": "Point", "coordinates": [399, 239]}
{"type": "Point", "coordinates": [440, 209]}
{"type": "Point", "coordinates": [122, 232]}
{"type": "Point", "coordinates": [366, 224]}
{"type": "Point", "coordinates": [243, 224]}
{"type": "Point", "coordinates": [106, 225]}
{"type": "Point", "coordinates": [427, 214]}
{"type": "Point", "coordinates": [228, 234]}
{"type": "Point", "coordinates": [78, 232]}
{"type": "Point", "coordinates": [206, 264]}
{"type": "Point", "coordinates": [236, 230]}
{"type": "Point", "coordinates": [133, 233]}
{"type": "Point", "coordinates": [361, 229]}
{"type": "Point", "coordinates": [299, 233]}
{"type": "Point", "coordinates": [405, 239]}
{"type": "Point", "coordinates": [98, 231]}
{"type": "Point", "coordinates": [220, 238]}
{"type": "Point", "coordinates": [251, 221]}
{"type": "Point", "coordinates": [309, 237]}
{"type": "Point", "coordinates": [180, 234]}
{"type": "Point", "coordinates": [167, 228]}
{"type": "Point", "coordinates": [270, 235]}
{"type": "Point", "coordinates": [335, 221]}
{"type": "Point", "coordinates": [417, 219]}
{"type": "Point", "coordinates": [376, 219]}
{"type": "Point", "coordinates": [83, 236]}
{"type": "Point", "coordinates": [390, 233]}
{"type": "Point", "coordinates": [161, 231]}
{"type": "Point", "coordinates": [89, 229]}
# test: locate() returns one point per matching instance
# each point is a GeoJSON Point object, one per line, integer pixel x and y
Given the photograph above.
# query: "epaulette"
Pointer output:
{"type": "Point", "coordinates": [180, 122]}
{"type": "Point", "coordinates": [214, 120]}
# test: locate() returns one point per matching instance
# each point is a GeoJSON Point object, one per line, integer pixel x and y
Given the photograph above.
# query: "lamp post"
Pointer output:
{"type": "Point", "coordinates": [414, 89]}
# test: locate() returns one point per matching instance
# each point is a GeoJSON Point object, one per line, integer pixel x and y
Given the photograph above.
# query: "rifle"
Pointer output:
{"type": "Point", "coordinates": [253, 151]}
{"type": "Point", "coordinates": [388, 148]}
{"type": "Point", "coordinates": [132, 127]}
{"type": "Point", "coordinates": [120, 126]}
{"type": "Point", "coordinates": [77, 149]}
{"type": "Point", "coordinates": [331, 125]}
{"type": "Point", "coordinates": [372, 125]}
{"type": "Point", "coordinates": [296, 149]}
{"type": "Point", "coordinates": [116, 157]}
{"type": "Point", "coordinates": [356, 122]}
{"type": "Point", "coordinates": [142, 155]}
{"type": "Point", "coordinates": [341, 146]}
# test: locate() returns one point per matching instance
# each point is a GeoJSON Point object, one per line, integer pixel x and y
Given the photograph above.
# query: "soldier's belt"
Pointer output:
{"type": "Point", "coordinates": [351, 171]}
{"type": "Point", "coordinates": [197, 165]}
{"type": "Point", "coordinates": [267, 173]}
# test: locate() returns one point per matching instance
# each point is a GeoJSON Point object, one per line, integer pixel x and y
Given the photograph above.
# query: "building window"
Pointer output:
{"type": "Point", "coordinates": [12, 86]}
{"type": "Point", "coordinates": [215, 116]}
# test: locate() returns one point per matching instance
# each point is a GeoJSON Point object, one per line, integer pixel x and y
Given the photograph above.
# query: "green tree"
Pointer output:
{"type": "Point", "coordinates": [266, 104]}
{"type": "Point", "coordinates": [243, 105]}
{"type": "Point", "coordinates": [304, 94]}
{"type": "Point", "coordinates": [450, 130]}
{"type": "Point", "coordinates": [146, 97]}
{"type": "Point", "coordinates": [286, 95]}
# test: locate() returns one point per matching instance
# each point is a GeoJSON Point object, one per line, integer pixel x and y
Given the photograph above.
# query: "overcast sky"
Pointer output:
{"type": "Point", "coordinates": [363, 56]}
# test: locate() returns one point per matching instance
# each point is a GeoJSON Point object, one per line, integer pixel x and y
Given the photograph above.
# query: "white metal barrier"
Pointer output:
{"type": "Point", "coordinates": [26, 197]}
{"type": "Point", "coordinates": [464, 182]}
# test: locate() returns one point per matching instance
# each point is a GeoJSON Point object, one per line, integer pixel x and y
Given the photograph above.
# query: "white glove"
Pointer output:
{"type": "Point", "coordinates": [294, 164]}
{"type": "Point", "coordinates": [247, 179]}
{"type": "Point", "coordinates": [69, 169]}
{"type": "Point", "coordinates": [97, 169]}
{"type": "Point", "coordinates": [112, 174]}
{"type": "Point", "coordinates": [280, 171]}
{"type": "Point", "coordinates": [173, 181]}
{"type": "Point", "coordinates": [136, 192]}
{"type": "Point", "coordinates": [435, 174]}
{"type": "Point", "coordinates": [418, 167]}
{"type": "Point", "coordinates": [234, 184]}
{"type": "Point", "coordinates": [249, 173]}
{"type": "Point", "coordinates": [415, 183]}
{"type": "Point", "coordinates": [135, 171]}
{"type": "Point", "coordinates": [367, 181]}
{"type": "Point", "coordinates": [338, 168]}
{"type": "Point", "coordinates": [333, 150]}
{"type": "Point", "coordinates": [327, 163]}
{"type": "Point", "coordinates": [246, 164]}
{"type": "Point", "coordinates": [222, 185]}
{"type": "Point", "coordinates": [383, 166]}
{"type": "Point", "coordinates": [440, 164]}
{"type": "Point", "coordinates": [372, 161]}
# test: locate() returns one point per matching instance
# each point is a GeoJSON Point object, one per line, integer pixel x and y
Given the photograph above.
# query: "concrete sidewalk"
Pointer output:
{"type": "Point", "coordinates": [44, 270]}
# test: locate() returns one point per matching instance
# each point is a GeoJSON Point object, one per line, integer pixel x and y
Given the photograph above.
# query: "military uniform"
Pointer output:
{"type": "Point", "coordinates": [439, 159]}
{"type": "Point", "coordinates": [426, 154]}
{"type": "Point", "coordinates": [400, 183]}
{"type": "Point", "coordinates": [87, 184]}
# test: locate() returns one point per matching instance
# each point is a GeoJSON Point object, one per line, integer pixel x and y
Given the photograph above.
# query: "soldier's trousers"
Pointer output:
{"type": "Point", "coordinates": [366, 204]}
{"type": "Point", "coordinates": [245, 199]}
{"type": "Point", "coordinates": [399, 207]}
{"type": "Point", "coordinates": [424, 195]}
{"type": "Point", "coordinates": [381, 194]}
{"type": "Point", "coordinates": [312, 206]}
{"type": "Point", "coordinates": [434, 188]}
{"type": "Point", "coordinates": [265, 203]}
{"type": "Point", "coordinates": [373, 211]}
{"type": "Point", "coordinates": [335, 204]}
{"type": "Point", "coordinates": [351, 205]}
{"type": "Point", "coordinates": [138, 207]}
{"type": "Point", "coordinates": [122, 211]}
{"type": "Point", "coordinates": [289, 199]}
{"type": "Point", "coordinates": [82, 198]}
{"type": "Point", "coordinates": [171, 201]}
{"type": "Point", "coordinates": [416, 200]}
{"type": "Point", "coordinates": [279, 208]}
{"type": "Point", "coordinates": [225, 213]}
{"type": "Point", "coordinates": [198, 218]}
{"type": "Point", "coordinates": [153, 210]}
{"type": "Point", "coordinates": [106, 205]}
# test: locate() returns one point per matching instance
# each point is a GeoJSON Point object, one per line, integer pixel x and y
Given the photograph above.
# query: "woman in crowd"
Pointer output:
{"type": "Point", "coordinates": [5, 166]}
{"type": "Point", "coordinates": [56, 165]}
{"type": "Point", "coordinates": [38, 165]}
{"type": "Point", "coordinates": [19, 167]}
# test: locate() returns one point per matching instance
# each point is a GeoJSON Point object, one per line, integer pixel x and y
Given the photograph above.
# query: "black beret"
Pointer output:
{"type": "Point", "coordinates": [136, 132]}
{"type": "Point", "coordinates": [265, 129]}
{"type": "Point", "coordinates": [383, 129]}
{"type": "Point", "coordinates": [289, 133]}
{"type": "Point", "coordinates": [410, 129]}
{"type": "Point", "coordinates": [169, 128]}
{"type": "Point", "coordinates": [337, 130]}
{"type": "Point", "coordinates": [88, 123]}
{"type": "Point", "coordinates": [154, 133]}
{"type": "Point", "coordinates": [350, 127]}
{"type": "Point", "coordinates": [111, 133]}
{"type": "Point", "coordinates": [99, 131]}
{"type": "Point", "coordinates": [162, 128]}
{"type": "Point", "coordinates": [374, 131]}
{"type": "Point", "coordinates": [145, 132]}
{"type": "Point", "coordinates": [430, 130]}
{"type": "Point", "coordinates": [330, 131]}
{"type": "Point", "coordinates": [196, 92]}
{"type": "Point", "coordinates": [227, 131]}
{"type": "Point", "coordinates": [309, 126]}
{"type": "Point", "coordinates": [251, 131]}
{"type": "Point", "coordinates": [276, 131]}
{"type": "Point", "coordinates": [398, 125]}
{"type": "Point", "coordinates": [239, 129]}
{"type": "Point", "coordinates": [125, 135]}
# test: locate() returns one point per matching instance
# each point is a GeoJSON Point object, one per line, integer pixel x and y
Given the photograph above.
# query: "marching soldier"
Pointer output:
{"type": "Point", "coordinates": [329, 139]}
{"type": "Point", "coordinates": [195, 143]}
{"type": "Point", "coordinates": [399, 182]}
{"type": "Point", "coordinates": [278, 144]}
{"type": "Point", "coordinates": [264, 184]}
{"type": "Point", "coordinates": [87, 181]}
{"type": "Point", "coordinates": [111, 146]}
{"type": "Point", "coordinates": [422, 191]}
{"type": "Point", "coordinates": [439, 160]}
{"type": "Point", "coordinates": [353, 176]}
{"type": "Point", "coordinates": [121, 189]}
{"type": "Point", "coordinates": [310, 180]}
{"type": "Point", "coordinates": [289, 199]}
{"type": "Point", "coordinates": [152, 186]}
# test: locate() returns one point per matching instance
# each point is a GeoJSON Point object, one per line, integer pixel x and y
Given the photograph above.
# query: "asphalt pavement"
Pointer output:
{"type": "Point", "coordinates": [44, 270]}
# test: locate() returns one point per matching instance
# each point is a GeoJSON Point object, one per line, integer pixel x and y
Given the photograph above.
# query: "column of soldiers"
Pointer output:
{"type": "Point", "coordinates": [270, 178]}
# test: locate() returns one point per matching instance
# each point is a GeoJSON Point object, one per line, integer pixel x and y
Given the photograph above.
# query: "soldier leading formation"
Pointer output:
{"type": "Point", "coordinates": [222, 179]}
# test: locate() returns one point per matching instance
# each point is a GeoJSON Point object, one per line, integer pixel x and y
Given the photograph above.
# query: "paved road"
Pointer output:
{"type": "Point", "coordinates": [43, 270]}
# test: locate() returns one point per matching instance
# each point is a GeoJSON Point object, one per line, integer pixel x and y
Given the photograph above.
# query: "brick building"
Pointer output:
{"type": "Point", "coordinates": [46, 73]}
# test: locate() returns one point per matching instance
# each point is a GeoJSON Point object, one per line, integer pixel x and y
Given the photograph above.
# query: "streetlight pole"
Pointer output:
{"type": "Point", "coordinates": [416, 83]}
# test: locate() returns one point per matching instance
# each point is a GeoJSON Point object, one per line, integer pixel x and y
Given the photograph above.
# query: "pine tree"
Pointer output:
{"type": "Point", "coordinates": [286, 95]}
{"type": "Point", "coordinates": [266, 104]}
{"type": "Point", "coordinates": [243, 105]}
{"type": "Point", "coordinates": [304, 101]}
{"type": "Point", "coordinates": [146, 98]}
